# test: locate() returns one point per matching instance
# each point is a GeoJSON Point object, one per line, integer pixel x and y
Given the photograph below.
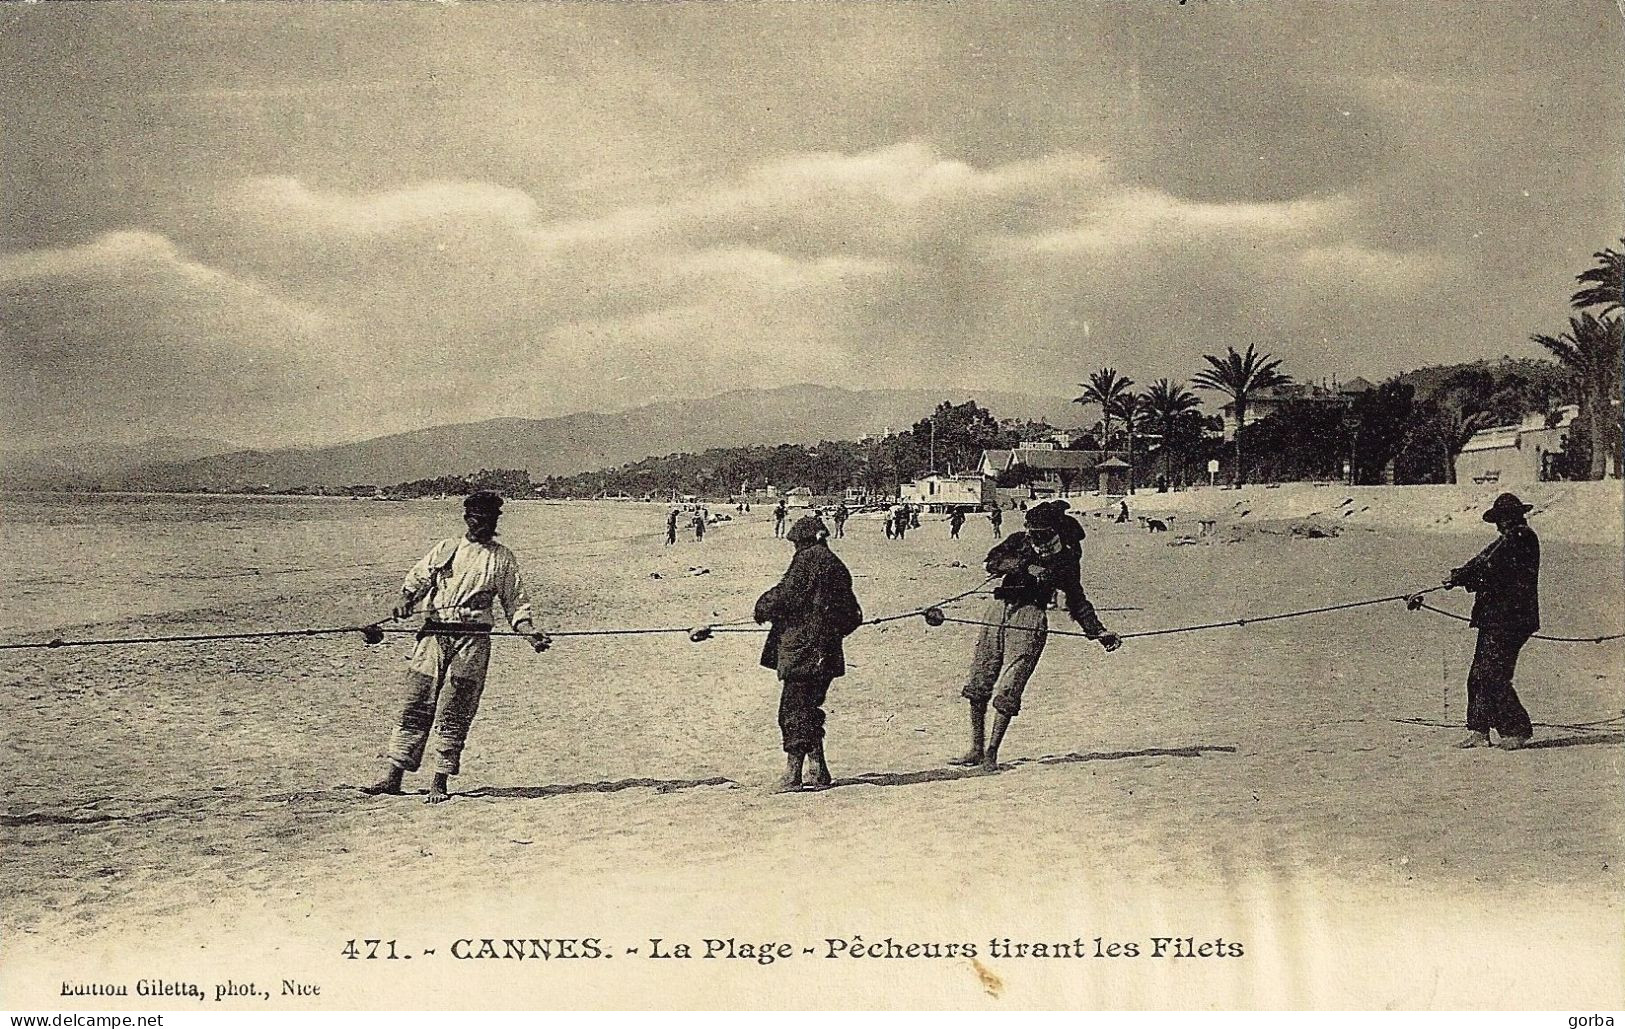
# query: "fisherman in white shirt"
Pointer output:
{"type": "Point", "coordinates": [460, 579]}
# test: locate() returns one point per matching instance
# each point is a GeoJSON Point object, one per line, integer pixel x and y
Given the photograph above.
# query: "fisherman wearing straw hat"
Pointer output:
{"type": "Point", "coordinates": [460, 579]}
{"type": "Point", "coordinates": [812, 610]}
{"type": "Point", "coordinates": [1034, 563]}
{"type": "Point", "coordinates": [1506, 611]}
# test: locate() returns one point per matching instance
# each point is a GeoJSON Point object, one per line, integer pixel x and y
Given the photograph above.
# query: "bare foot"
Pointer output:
{"type": "Point", "coordinates": [971, 758]}
{"type": "Point", "coordinates": [438, 792]}
{"type": "Point", "coordinates": [789, 784]}
{"type": "Point", "coordinates": [1477, 739]}
{"type": "Point", "coordinates": [990, 764]}
{"type": "Point", "coordinates": [390, 784]}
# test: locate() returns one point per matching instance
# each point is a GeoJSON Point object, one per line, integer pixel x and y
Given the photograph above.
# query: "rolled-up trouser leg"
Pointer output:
{"type": "Point", "coordinates": [987, 658]}
{"type": "Point", "coordinates": [1492, 703]}
{"type": "Point", "coordinates": [458, 705]}
{"type": "Point", "coordinates": [1006, 656]}
{"type": "Point", "coordinates": [801, 714]}
{"type": "Point", "coordinates": [460, 700]}
{"type": "Point", "coordinates": [418, 701]}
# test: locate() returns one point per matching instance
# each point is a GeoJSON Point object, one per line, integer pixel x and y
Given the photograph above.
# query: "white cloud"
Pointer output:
{"type": "Point", "coordinates": [448, 300]}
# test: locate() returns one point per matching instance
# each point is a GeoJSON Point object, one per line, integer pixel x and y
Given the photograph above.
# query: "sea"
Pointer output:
{"type": "Point", "coordinates": [88, 559]}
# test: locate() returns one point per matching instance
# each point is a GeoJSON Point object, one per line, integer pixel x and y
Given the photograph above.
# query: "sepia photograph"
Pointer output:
{"type": "Point", "coordinates": [954, 505]}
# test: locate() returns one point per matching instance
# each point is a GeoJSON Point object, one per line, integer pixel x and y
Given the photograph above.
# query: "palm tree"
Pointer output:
{"type": "Point", "coordinates": [1130, 407]}
{"type": "Point", "coordinates": [1606, 281]}
{"type": "Point", "coordinates": [1591, 351]}
{"type": "Point", "coordinates": [1459, 427]}
{"type": "Point", "coordinates": [1240, 376]}
{"type": "Point", "coordinates": [1165, 401]}
{"type": "Point", "coordinates": [1103, 388]}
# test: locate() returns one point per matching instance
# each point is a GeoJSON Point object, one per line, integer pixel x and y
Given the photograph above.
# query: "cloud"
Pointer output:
{"type": "Point", "coordinates": [447, 300]}
{"type": "Point", "coordinates": [125, 334]}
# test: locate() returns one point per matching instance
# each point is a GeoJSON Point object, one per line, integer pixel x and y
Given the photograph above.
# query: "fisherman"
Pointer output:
{"type": "Point", "coordinates": [700, 517]}
{"type": "Point", "coordinates": [1034, 564]}
{"type": "Point", "coordinates": [459, 578]}
{"type": "Point", "coordinates": [1506, 612]}
{"type": "Point", "coordinates": [956, 521]}
{"type": "Point", "coordinates": [812, 610]}
{"type": "Point", "coordinates": [840, 517]}
{"type": "Point", "coordinates": [779, 514]}
{"type": "Point", "coordinates": [995, 518]}
{"type": "Point", "coordinates": [671, 527]}
{"type": "Point", "coordinates": [900, 521]}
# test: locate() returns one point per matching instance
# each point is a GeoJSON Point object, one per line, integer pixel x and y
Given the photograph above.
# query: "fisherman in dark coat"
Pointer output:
{"type": "Point", "coordinates": [812, 610]}
{"type": "Point", "coordinates": [956, 521]}
{"type": "Point", "coordinates": [1506, 611]}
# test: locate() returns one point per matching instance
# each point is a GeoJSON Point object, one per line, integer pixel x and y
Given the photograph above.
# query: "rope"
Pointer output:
{"type": "Point", "coordinates": [933, 614]}
{"type": "Point", "coordinates": [1533, 636]}
{"type": "Point", "coordinates": [381, 628]}
{"type": "Point", "coordinates": [1205, 626]}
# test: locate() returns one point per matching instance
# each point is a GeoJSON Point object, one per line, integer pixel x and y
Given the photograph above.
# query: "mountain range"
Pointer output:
{"type": "Point", "coordinates": [545, 446]}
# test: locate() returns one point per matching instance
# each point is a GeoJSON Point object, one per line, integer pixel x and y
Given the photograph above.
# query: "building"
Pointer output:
{"type": "Point", "coordinates": [1112, 477]}
{"type": "Point", "coordinates": [1506, 455]}
{"type": "Point", "coordinates": [1054, 472]}
{"type": "Point", "coordinates": [1268, 401]}
{"type": "Point", "coordinates": [938, 492]}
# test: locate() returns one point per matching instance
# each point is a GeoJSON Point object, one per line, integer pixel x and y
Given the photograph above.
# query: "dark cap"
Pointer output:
{"type": "Point", "coordinates": [809, 529]}
{"type": "Point", "coordinates": [1044, 518]}
{"type": "Point", "coordinates": [483, 501]}
{"type": "Point", "coordinates": [1507, 505]}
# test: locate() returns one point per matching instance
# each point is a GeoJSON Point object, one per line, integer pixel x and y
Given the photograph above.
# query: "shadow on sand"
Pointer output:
{"type": "Point", "coordinates": [615, 786]}
{"type": "Point", "coordinates": [195, 805]}
{"type": "Point", "coordinates": [947, 773]}
{"type": "Point", "coordinates": [1577, 741]}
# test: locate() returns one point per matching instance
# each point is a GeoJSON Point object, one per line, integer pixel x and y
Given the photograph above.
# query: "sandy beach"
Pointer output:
{"type": "Point", "coordinates": [1291, 786]}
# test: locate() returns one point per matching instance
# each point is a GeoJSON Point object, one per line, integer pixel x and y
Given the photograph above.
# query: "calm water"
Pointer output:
{"type": "Point", "coordinates": [75, 559]}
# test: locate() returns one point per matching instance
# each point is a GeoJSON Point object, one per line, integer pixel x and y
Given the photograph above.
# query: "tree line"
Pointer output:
{"type": "Point", "coordinates": [1410, 427]}
{"type": "Point", "coordinates": [1393, 429]}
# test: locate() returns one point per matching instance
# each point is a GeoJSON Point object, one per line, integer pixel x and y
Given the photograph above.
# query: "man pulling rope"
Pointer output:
{"type": "Point", "coordinates": [461, 578]}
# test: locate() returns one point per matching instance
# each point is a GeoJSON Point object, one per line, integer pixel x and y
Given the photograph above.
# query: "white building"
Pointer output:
{"type": "Point", "coordinates": [940, 492]}
{"type": "Point", "coordinates": [1514, 454]}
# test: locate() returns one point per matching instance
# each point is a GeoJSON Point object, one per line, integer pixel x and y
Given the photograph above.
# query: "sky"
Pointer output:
{"type": "Point", "coordinates": [285, 224]}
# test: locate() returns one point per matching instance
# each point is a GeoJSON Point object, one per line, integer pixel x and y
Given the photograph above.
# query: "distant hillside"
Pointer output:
{"type": "Point", "coordinates": [1426, 381]}
{"type": "Point", "coordinates": [90, 463]}
{"type": "Point", "coordinates": [586, 442]}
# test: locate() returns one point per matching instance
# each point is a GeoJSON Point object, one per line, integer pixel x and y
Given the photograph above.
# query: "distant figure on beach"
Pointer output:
{"type": "Point", "coordinates": [840, 517]}
{"type": "Point", "coordinates": [460, 578]}
{"type": "Point", "coordinates": [1122, 511]}
{"type": "Point", "coordinates": [812, 610]}
{"type": "Point", "coordinates": [913, 517]}
{"type": "Point", "coordinates": [671, 527]}
{"type": "Point", "coordinates": [779, 514]}
{"type": "Point", "coordinates": [1034, 564]}
{"type": "Point", "coordinates": [700, 517]}
{"type": "Point", "coordinates": [956, 521]}
{"type": "Point", "coordinates": [1506, 612]}
{"type": "Point", "coordinates": [899, 519]}
{"type": "Point", "coordinates": [995, 518]}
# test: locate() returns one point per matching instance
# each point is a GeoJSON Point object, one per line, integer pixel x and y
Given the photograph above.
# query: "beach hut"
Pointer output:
{"type": "Point", "coordinates": [1113, 474]}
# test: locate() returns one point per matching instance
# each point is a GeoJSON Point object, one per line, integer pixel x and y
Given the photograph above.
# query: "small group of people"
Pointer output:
{"type": "Point", "coordinates": [699, 517]}
{"type": "Point", "coordinates": [813, 608]}
{"type": "Point", "coordinates": [900, 519]}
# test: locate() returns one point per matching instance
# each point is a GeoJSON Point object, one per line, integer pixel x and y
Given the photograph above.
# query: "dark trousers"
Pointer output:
{"type": "Point", "coordinates": [801, 714]}
{"type": "Point", "coordinates": [1492, 703]}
